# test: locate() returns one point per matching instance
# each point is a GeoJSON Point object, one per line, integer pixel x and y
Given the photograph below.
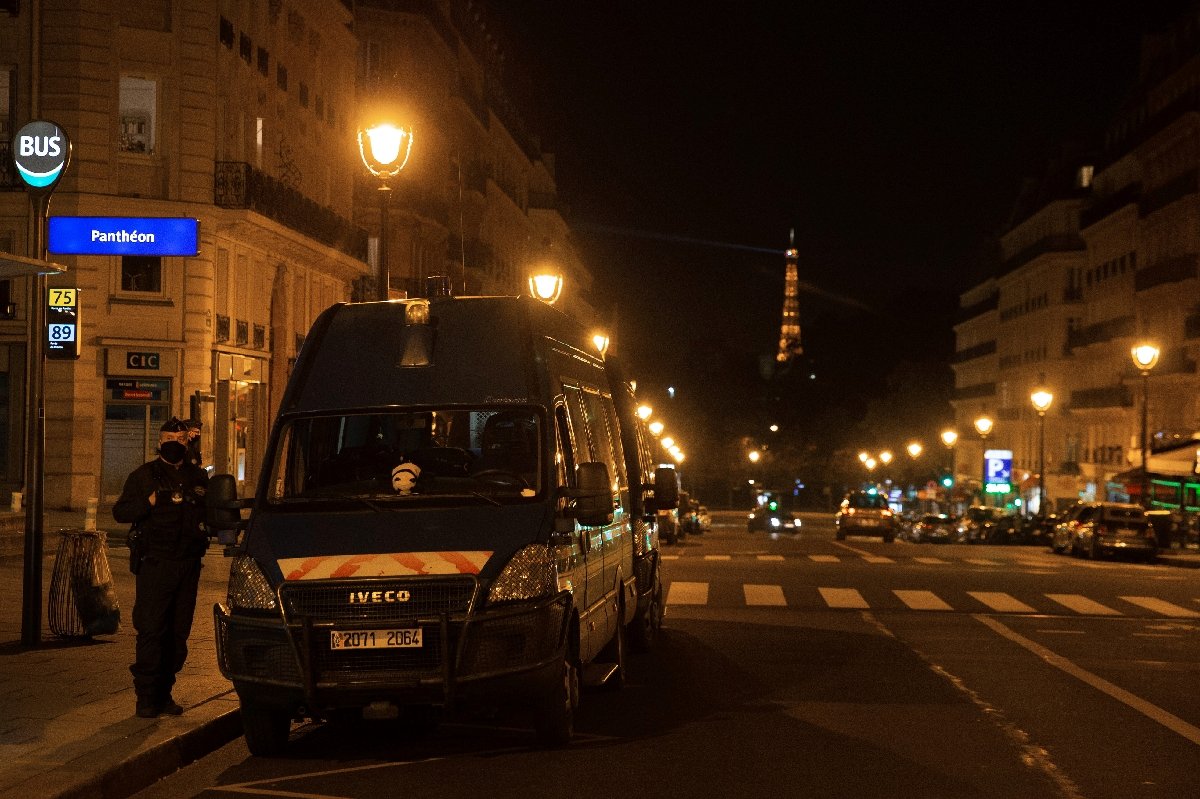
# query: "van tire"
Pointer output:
{"type": "Point", "coordinates": [615, 651]}
{"type": "Point", "coordinates": [643, 632]}
{"type": "Point", "coordinates": [555, 721]}
{"type": "Point", "coordinates": [266, 730]}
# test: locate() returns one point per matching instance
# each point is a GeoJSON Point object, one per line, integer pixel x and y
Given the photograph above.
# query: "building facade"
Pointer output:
{"type": "Point", "coordinates": [1103, 255]}
{"type": "Point", "coordinates": [243, 115]}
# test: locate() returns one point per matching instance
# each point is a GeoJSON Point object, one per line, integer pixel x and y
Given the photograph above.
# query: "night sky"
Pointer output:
{"type": "Point", "coordinates": [893, 136]}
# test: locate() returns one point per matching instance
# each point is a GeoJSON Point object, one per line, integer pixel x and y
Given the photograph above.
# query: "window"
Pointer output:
{"type": "Point", "coordinates": [245, 47]}
{"type": "Point", "coordinates": [8, 88]}
{"type": "Point", "coordinates": [141, 273]}
{"type": "Point", "coordinates": [258, 142]}
{"type": "Point", "coordinates": [243, 333]}
{"type": "Point", "coordinates": [303, 94]}
{"type": "Point", "coordinates": [281, 76]}
{"type": "Point", "coordinates": [225, 34]}
{"type": "Point", "coordinates": [1084, 178]}
{"type": "Point", "coordinates": [264, 61]}
{"type": "Point", "coordinates": [138, 112]}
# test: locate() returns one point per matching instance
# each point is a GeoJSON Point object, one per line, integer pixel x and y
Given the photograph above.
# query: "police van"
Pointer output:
{"type": "Point", "coordinates": [444, 517]}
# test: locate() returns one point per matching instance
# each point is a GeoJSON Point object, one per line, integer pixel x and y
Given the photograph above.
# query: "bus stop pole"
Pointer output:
{"type": "Point", "coordinates": [35, 371]}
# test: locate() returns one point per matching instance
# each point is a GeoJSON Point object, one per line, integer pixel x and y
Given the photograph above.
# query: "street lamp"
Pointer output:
{"type": "Point", "coordinates": [949, 439]}
{"type": "Point", "coordinates": [885, 457]}
{"type": "Point", "coordinates": [656, 428]}
{"type": "Point", "coordinates": [983, 426]}
{"type": "Point", "coordinates": [644, 412]}
{"type": "Point", "coordinates": [546, 286]}
{"type": "Point", "coordinates": [384, 149]}
{"type": "Point", "coordinates": [862, 457]}
{"type": "Point", "coordinates": [1041, 400]}
{"type": "Point", "coordinates": [1145, 357]}
{"type": "Point", "coordinates": [914, 450]}
{"type": "Point", "coordinates": [754, 455]}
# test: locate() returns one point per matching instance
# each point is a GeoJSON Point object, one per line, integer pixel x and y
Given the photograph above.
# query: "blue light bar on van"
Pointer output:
{"type": "Point", "coordinates": [124, 235]}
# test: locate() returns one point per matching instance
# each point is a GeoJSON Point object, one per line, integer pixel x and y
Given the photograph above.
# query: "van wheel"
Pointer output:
{"type": "Point", "coordinates": [266, 730]}
{"type": "Point", "coordinates": [644, 630]}
{"type": "Point", "coordinates": [555, 722]}
{"type": "Point", "coordinates": [614, 652]}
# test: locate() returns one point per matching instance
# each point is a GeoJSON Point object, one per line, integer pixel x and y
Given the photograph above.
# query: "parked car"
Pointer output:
{"type": "Point", "coordinates": [1115, 527]}
{"type": "Point", "coordinates": [865, 513]}
{"type": "Point", "coordinates": [704, 518]}
{"type": "Point", "coordinates": [934, 528]}
{"type": "Point", "coordinates": [1062, 537]}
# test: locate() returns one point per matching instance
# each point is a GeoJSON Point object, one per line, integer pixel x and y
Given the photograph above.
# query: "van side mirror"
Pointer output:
{"type": "Point", "coordinates": [593, 498]}
{"type": "Point", "coordinates": [223, 508]}
{"type": "Point", "coordinates": [666, 488]}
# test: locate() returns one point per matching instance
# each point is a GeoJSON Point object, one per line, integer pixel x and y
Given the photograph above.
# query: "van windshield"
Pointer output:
{"type": "Point", "coordinates": [406, 455]}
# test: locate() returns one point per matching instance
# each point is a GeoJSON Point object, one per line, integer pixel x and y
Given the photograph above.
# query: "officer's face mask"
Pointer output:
{"type": "Point", "coordinates": [172, 451]}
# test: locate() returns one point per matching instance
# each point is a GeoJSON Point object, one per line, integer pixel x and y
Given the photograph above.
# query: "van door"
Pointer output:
{"type": "Point", "coordinates": [571, 559]}
{"type": "Point", "coordinates": [606, 440]}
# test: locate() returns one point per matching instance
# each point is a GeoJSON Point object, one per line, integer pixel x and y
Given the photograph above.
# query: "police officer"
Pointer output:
{"type": "Point", "coordinates": [165, 500]}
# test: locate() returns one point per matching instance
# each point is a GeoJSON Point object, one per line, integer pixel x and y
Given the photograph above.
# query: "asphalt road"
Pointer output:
{"type": "Point", "coordinates": [803, 666]}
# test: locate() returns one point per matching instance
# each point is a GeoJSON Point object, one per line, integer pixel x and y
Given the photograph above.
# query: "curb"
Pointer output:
{"type": "Point", "coordinates": [148, 767]}
{"type": "Point", "coordinates": [1180, 561]}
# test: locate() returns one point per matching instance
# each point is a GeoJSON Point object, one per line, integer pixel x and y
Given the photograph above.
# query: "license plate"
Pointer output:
{"type": "Point", "coordinates": [869, 522]}
{"type": "Point", "coordinates": [375, 639]}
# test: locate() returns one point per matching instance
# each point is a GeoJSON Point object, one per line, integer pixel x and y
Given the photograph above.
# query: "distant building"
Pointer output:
{"type": "Point", "coordinates": [1102, 253]}
{"type": "Point", "coordinates": [244, 115]}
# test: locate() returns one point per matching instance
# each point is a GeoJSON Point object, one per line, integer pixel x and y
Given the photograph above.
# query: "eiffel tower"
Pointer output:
{"type": "Point", "coordinates": [789, 330]}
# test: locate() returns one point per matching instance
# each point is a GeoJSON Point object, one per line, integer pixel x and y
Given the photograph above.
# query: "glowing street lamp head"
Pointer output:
{"type": "Point", "coordinates": [600, 342]}
{"type": "Point", "coordinates": [546, 286]}
{"type": "Point", "coordinates": [1041, 400]}
{"type": "Point", "coordinates": [678, 455]}
{"type": "Point", "coordinates": [983, 425]}
{"type": "Point", "coordinates": [754, 455]}
{"type": "Point", "coordinates": [1145, 356]}
{"type": "Point", "coordinates": [385, 149]}
{"type": "Point", "coordinates": [949, 437]}
{"type": "Point", "coordinates": [862, 457]}
{"type": "Point", "coordinates": [644, 412]}
{"type": "Point", "coordinates": [885, 457]}
{"type": "Point", "coordinates": [656, 428]}
{"type": "Point", "coordinates": [870, 463]}
{"type": "Point", "coordinates": [668, 442]}
{"type": "Point", "coordinates": [914, 449]}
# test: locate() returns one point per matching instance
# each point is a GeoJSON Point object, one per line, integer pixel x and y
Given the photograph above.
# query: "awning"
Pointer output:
{"type": "Point", "coordinates": [1177, 460]}
{"type": "Point", "coordinates": [16, 266]}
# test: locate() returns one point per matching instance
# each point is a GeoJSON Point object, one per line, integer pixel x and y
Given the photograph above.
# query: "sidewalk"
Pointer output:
{"type": "Point", "coordinates": [67, 726]}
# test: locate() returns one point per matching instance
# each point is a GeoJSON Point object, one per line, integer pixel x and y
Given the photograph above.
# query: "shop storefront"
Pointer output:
{"type": "Point", "coordinates": [137, 400]}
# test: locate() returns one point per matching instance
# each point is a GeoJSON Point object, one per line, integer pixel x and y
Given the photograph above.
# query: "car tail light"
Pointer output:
{"type": "Point", "coordinates": [886, 512]}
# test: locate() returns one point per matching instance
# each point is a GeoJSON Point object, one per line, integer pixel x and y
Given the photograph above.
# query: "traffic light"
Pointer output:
{"type": "Point", "coordinates": [772, 506]}
{"type": "Point", "coordinates": [947, 481]}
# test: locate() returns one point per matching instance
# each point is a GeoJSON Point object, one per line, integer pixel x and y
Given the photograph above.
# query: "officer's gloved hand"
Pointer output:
{"type": "Point", "coordinates": [165, 499]}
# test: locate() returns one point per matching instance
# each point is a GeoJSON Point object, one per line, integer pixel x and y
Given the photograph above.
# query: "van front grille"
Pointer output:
{"type": "Point", "coordinates": [364, 600]}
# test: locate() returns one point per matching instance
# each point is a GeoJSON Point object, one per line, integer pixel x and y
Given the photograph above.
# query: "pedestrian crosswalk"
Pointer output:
{"type": "Point", "coordinates": [759, 595]}
{"type": "Point", "coordinates": [1027, 562]}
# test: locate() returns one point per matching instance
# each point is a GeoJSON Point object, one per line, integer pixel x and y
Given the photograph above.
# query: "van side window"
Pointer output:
{"type": "Point", "coordinates": [606, 446]}
{"type": "Point", "coordinates": [577, 415]}
{"type": "Point", "coordinates": [566, 465]}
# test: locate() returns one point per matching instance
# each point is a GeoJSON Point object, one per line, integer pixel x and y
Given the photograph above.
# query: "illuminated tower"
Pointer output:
{"type": "Point", "coordinates": [789, 331]}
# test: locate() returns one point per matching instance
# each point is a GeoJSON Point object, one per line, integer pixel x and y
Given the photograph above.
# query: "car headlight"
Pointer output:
{"type": "Point", "coordinates": [530, 574]}
{"type": "Point", "coordinates": [774, 521]}
{"type": "Point", "coordinates": [248, 586]}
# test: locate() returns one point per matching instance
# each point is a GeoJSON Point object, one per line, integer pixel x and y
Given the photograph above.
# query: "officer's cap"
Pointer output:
{"type": "Point", "coordinates": [174, 425]}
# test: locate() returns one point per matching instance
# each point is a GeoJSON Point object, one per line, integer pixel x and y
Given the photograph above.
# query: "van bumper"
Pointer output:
{"type": "Point", "coordinates": [509, 653]}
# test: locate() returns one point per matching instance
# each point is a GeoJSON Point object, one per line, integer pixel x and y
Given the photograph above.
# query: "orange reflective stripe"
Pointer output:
{"type": "Point", "coordinates": [305, 568]}
{"type": "Point", "coordinates": [348, 567]}
{"type": "Point", "coordinates": [410, 561]}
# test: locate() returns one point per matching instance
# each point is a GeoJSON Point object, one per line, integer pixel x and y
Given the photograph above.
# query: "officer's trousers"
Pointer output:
{"type": "Point", "coordinates": [162, 616]}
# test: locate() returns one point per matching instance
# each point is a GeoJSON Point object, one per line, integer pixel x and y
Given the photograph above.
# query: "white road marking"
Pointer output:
{"type": "Point", "coordinates": [1151, 711]}
{"type": "Point", "coordinates": [922, 600]}
{"type": "Point", "coordinates": [1160, 606]}
{"type": "Point", "coordinates": [771, 558]}
{"type": "Point", "coordinates": [1081, 604]}
{"type": "Point", "coordinates": [687, 594]}
{"type": "Point", "coordinates": [824, 558]}
{"type": "Point", "coordinates": [1039, 564]}
{"type": "Point", "coordinates": [843, 598]}
{"type": "Point", "coordinates": [717, 557]}
{"type": "Point", "coordinates": [930, 561]}
{"type": "Point", "coordinates": [878, 559]}
{"type": "Point", "coordinates": [1000, 602]}
{"type": "Point", "coordinates": [670, 557]}
{"type": "Point", "coordinates": [764, 595]}
{"type": "Point", "coordinates": [982, 562]}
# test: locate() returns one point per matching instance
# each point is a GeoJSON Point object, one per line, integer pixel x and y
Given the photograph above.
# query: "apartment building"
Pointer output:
{"type": "Point", "coordinates": [1102, 254]}
{"type": "Point", "coordinates": [243, 114]}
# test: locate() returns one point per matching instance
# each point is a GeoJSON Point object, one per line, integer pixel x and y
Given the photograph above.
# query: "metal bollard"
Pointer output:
{"type": "Point", "coordinates": [89, 517]}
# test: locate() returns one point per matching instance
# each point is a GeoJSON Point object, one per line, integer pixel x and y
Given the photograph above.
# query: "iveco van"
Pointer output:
{"type": "Point", "coordinates": [444, 517]}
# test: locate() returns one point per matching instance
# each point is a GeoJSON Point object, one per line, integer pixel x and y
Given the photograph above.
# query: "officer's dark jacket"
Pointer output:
{"type": "Point", "coordinates": [173, 525]}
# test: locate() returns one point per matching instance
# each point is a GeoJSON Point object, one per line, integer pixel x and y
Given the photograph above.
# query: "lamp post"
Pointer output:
{"type": "Point", "coordinates": [1041, 400]}
{"type": "Point", "coordinates": [949, 439]}
{"type": "Point", "coordinates": [384, 149]}
{"type": "Point", "coordinates": [983, 426]}
{"type": "Point", "coordinates": [1145, 357]}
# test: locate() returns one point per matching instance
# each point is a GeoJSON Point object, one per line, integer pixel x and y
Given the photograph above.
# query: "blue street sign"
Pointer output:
{"type": "Point", "coordinates": [997, 471]}
{"type": "Point", "coordinates": [124, 235]}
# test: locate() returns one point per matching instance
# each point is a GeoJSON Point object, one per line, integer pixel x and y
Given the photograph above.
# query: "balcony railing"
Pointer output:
{"type": "Point", "coordinates": [239, 185]}
{"type": "Point", "coordinates": [1072, 294]}
{"type": "Point", "coordinates": [1103, 207]}
{"type": "Point", "coordinates": [1175, 189]}
{"type": "Point", "coordinates": [1100, 332]}
{"type": "Point", "coordinates": [1055, 242]}
{"type": "Point", "coordinates": [1118, 396]}
{"type": "Point", "coordinates": [1172, 270]}
{"type": "Point", "coordinates": [979, 308]}
{"type": "Point", "coordinates": [978, 351]}
{"type": "Point", "coordinates": [975, 392]}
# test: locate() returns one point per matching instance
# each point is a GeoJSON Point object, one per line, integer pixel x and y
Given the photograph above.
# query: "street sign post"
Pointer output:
{"type": "Point", "coordinates": [997, 471]}
{"type": "Point", "coordinates": [62, 324]}
{"type": "Point", "coordinates": [41, 152]}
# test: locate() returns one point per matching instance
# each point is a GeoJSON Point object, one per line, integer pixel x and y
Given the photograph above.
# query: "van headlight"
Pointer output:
{"type": "Point", "coordinates": [530, 574]}
{"type": "Point", "coordinates": [248, 586]}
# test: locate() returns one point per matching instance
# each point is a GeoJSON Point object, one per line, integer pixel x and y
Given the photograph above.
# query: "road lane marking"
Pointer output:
{"type": "Point", "coordinates": [930, 561]}
{"type": "Point", "coordinates": [681, 593]}
{"type": "Point", "coordinates": [771, 558]}
{"type": "Point", "coordinates": [1000, 602]}
{"type": "Point", "coordinates": [878, 559]}
{"type": "Point", "coordinates": [1151, 711]}
{"type": "Point", "coordinates": [1038, 564]}
{"type": "Point", "coordinates": [717, 557]}
{"type": "Point", "coordinates": [1083, 605]}
{"type": "Point", "coordinates": [824, 558]}
{"type": "Point", "coordinates": [982, 562]}
{"type": "Point", "coordinates": [843, 598]}
{"type": "Point", "coordinates": [1165, 608]}
{"type": "Point", "coordinates": [764, 595]}
{"type": "Point", "coordinates": [670, 557]}
{"type": "Point", "coordinates": [922, 600]}
{"type": "Point", "coordinates": [860, 552]}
